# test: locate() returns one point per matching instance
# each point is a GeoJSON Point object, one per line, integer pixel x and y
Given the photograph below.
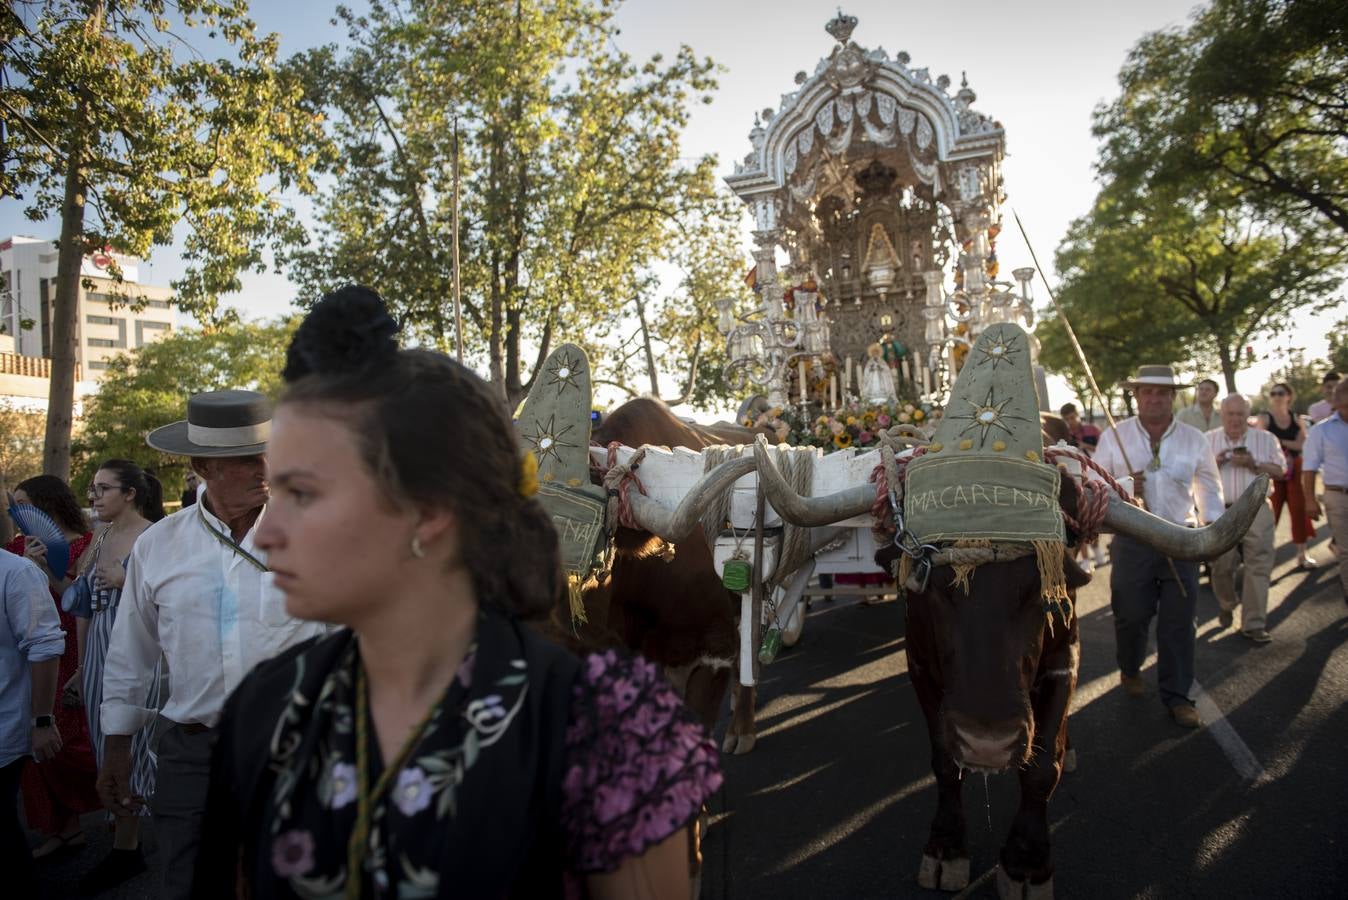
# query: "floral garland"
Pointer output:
{"type": "Point", "coordinates": [854, 425]}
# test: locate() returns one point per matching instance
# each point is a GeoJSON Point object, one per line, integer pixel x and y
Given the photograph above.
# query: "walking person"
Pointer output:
{"type": "Point", "coordinates": [56, 794]}
{"type": "Point", "coordinates": [1202, 413]}
{"type": "Point", "coordinates": [31, 646]}
{"type": "Point", "coordinates": [1173, 468]}
{"type": "Point", "coordinates": [127, 500]}
{"type": "Point", "coordinates": [435, 746]}
{"type": "Point", "coordinates": [1327, 456]}
{"type": "Point", "coordinates": [1085, 436]}
{"type": "Point", "coordinates": [197, 593]}
{"type": "Point", "coordinates": [1242, 453]}
{"type": "Point", "coordinates": [1279, 420]}
{"type": "Point", "coordinates": [1324, 407]}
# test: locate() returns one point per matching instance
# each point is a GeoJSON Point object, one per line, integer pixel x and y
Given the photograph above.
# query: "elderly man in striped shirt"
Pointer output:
{"type": "Point", "coordinates": [1242, 453]}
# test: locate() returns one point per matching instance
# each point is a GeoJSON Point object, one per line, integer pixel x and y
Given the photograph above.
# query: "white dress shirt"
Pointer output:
{"type": "Point", "coordinates": [211, 613]}
{"type": "Point", "coordinates": [1264, 446]}
{"type": "Point", "coordinates": [1326, 451]}
{"type": "Point", "coordinates": [1186, 467]}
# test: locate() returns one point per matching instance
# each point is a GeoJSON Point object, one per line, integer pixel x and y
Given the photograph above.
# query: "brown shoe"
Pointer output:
{"type": "Point", "coordinates": [1258, 635]}
{"type": "Point", "coordinates": [1225, 618]}
{"type": "Point", "coordinates": [1133, 685]}
{"type": "Point", "coordinates": [1185, 715]}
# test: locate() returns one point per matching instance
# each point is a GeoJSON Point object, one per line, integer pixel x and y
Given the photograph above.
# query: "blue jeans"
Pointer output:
{"type": "Point", "coordinates": [1141, 586]}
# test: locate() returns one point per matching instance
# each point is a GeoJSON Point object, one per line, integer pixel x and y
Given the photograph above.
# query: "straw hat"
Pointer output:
{"type": "Point", "coordinates": [1158, 376]}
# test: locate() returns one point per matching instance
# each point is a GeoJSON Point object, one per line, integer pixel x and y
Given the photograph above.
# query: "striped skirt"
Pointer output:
{"type": "Point", "coordinates": [156, 692]}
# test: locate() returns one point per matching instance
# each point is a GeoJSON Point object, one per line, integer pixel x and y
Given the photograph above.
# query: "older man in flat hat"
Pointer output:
{"type": "Point", "coordinates": [198, 592]}
{"type": "Point", "coordinates": [1172, 466]}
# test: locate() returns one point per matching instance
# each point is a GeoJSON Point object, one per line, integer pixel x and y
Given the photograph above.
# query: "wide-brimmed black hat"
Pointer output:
{"type": "Point", "coordinates": [218, 423]}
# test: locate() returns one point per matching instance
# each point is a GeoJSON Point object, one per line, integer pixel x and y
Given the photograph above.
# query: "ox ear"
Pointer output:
{"type": "Point", "coordinates": [1076, 576]}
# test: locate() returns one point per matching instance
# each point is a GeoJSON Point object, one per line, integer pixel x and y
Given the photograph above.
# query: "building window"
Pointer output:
{"type": "Point", "coordinates": [156, 304]}
{"type": "Point", "coordinates": [100, 320]}
{"type": "Point", "coordinates": [97, 364]}
{"type": "Point", "coordinates": [102, 342]}
{"type": "Point", "coordinates": [154, 326]}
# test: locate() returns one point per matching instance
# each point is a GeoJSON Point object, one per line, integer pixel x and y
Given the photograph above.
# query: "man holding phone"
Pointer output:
{"type": "Point", "coordinates": [1242, 453]}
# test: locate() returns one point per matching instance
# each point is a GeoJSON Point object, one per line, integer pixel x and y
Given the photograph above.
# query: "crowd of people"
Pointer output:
{"type": "Point", "coordinates": [1187, 465]}
{"type": "Point", "coordinates": [317, 676]}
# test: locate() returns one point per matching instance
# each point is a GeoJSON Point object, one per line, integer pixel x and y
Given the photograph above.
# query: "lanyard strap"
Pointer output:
{"type": "Point", "coordinates": [368, 798]}
{"type": "Point", "coordinates": [230, 542]}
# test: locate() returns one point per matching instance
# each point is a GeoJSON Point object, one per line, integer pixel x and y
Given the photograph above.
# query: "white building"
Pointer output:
{"type": "Point", "coordinates": [113, 317]}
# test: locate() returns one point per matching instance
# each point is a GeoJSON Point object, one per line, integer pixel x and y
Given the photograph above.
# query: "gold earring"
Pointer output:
{"type": "Point", "coordinates": [417, 550]}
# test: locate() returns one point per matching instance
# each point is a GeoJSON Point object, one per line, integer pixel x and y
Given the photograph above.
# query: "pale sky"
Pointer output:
{"type": "Point", "coordinates": [1040, 67]}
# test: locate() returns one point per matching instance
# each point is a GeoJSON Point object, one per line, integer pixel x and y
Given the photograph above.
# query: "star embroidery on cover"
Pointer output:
{"type": "Point", "coordinates": [989, 414]}
{"type": "Point", "coordinates": [563, 372]}
{"type": "Point", "coordinates": [998, 350]}
{"type": "Point", "coordinates": [547, 438]}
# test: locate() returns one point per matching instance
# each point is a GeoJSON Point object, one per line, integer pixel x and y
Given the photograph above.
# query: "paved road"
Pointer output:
{"type": "Point", "coordinates": [836, 800]}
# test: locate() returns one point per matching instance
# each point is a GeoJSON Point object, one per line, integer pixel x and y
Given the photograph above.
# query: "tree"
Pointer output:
{"type": "Point", "coordinates": [20, 444]}
{"type": "Point", "coordinates": [1255, 90]}
{"type": "Point", "coordinates": [119, 126]}
{"type": "Point", "coordinates": [149, 387]}
{"type": "Point", "coordinates": [572, 185]}
{"type": "Point", "coordinates": [1178, 254]}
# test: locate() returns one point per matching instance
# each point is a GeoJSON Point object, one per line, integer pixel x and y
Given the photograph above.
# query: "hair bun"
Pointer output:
{"type": "Point", "coordinates": [348, 330]}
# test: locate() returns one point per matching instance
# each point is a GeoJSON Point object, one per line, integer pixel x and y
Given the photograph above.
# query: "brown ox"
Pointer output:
{"type": "Point", "coordinates": [672, 610]}
{"type": "Point", "coordinates": [960, 652]}
{"type": "Point", "coordinates": [994, 681]}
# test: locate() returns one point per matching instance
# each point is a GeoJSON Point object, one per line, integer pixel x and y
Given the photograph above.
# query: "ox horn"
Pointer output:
{"type": "Point", "coordinates": [808, 512]}
{"type": "Point", "coordinates": [1181, 542]}
{"type": "Point", "coordinates": [674, 525]}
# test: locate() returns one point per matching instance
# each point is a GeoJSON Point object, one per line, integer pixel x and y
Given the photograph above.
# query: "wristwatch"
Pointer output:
{"type": "Point", "coordinates": [43, 721]}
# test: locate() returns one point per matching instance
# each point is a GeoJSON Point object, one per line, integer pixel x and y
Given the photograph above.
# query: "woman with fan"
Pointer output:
{"type": "Point", "coordinates": [127, 499]}
{"type": "Point", "coordinates": [58, 791]}
{"type": "Point", "coordinates": [435, 746]}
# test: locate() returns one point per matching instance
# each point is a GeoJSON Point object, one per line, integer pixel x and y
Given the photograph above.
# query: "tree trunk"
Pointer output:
{"type": "Point", "coordinates": [1228, 366]}
{"type": "Point", "coordinates": [65, 318]}
{"type": "Point", "coordinates": [651, 370]}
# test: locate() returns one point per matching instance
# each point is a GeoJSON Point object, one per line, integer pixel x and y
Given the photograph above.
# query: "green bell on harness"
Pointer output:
{"type": "Point", "coordinates": [736, 574]}
{"type": "Point", "coordinates": [771, 646]}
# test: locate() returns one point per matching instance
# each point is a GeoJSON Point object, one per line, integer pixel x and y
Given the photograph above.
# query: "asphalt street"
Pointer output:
{"type": "Point", "coordinates": [836, 799]}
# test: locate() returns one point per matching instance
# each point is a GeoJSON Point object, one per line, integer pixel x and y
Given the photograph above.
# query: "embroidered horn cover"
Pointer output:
{"type": "Point", "coordinates": [982, 478]}
{"type": "Point", "coordinates": [554, 424]}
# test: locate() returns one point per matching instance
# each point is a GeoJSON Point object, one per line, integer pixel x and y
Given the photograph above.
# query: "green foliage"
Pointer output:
{"type": "Point", "coordinates": [159, 134]}
{"type": "Point", "coordinates": [118, 125]}
{"type": "Point", "coordinates": [149, 387]}
{"type": "Point", "coordinates": [20, 444]}
{"type": "Point", "coordinates": [1181, 260]}
{"type": "Point", "coordinates": [1252, 91]}
{"type": "Point", "coordinates": [573, 190]}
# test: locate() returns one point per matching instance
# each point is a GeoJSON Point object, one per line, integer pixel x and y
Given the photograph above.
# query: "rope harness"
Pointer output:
{"type": "Point", "coordinates": [914, 566]}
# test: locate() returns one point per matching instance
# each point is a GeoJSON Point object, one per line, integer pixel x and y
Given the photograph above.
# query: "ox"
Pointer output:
{"type": "Point", "coordinates": [994, 675]}
{"type": "Point", "coordinates": [672, 609]}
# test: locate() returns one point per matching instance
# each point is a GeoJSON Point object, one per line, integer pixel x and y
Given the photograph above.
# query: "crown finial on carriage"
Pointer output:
{"type": "Point", "coordinates": [840, 27]}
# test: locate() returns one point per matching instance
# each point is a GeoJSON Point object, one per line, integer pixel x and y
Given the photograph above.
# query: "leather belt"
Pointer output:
{"type": "Point", "coordinates": [1339, 489]}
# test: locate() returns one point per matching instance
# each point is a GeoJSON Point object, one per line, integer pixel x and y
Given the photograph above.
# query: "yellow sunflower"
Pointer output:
{"type": "Point", "coordinates": [842, 440]}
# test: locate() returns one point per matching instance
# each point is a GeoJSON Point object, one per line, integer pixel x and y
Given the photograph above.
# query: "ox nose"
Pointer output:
{"type": "Point", "coordinates": [991, 749]}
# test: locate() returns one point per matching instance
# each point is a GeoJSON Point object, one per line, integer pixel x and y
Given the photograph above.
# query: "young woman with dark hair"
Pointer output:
{"type": "Point", "coordinates": [435, 746]}
{"type": "Point", "coordinates": [128, 500]}
{"type": "Point", "coordinates": [1290, 431]}
{"type": "Point", "coordinates": [58, 791]}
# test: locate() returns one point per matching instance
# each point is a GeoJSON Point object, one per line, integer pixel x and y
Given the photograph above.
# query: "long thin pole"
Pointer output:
{"type": "Point", "coordinates": [1072, 336]}
{"type": "Point", "coordinates": [458, 300]}
{"type": "Point", "coordinates": [1090, 376]}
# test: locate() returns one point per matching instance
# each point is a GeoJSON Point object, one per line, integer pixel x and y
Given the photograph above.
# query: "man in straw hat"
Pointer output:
{"type": "Point", "coordinates": [1169, 463]}
{"type": "Point", "coordinates": [198, 592]}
